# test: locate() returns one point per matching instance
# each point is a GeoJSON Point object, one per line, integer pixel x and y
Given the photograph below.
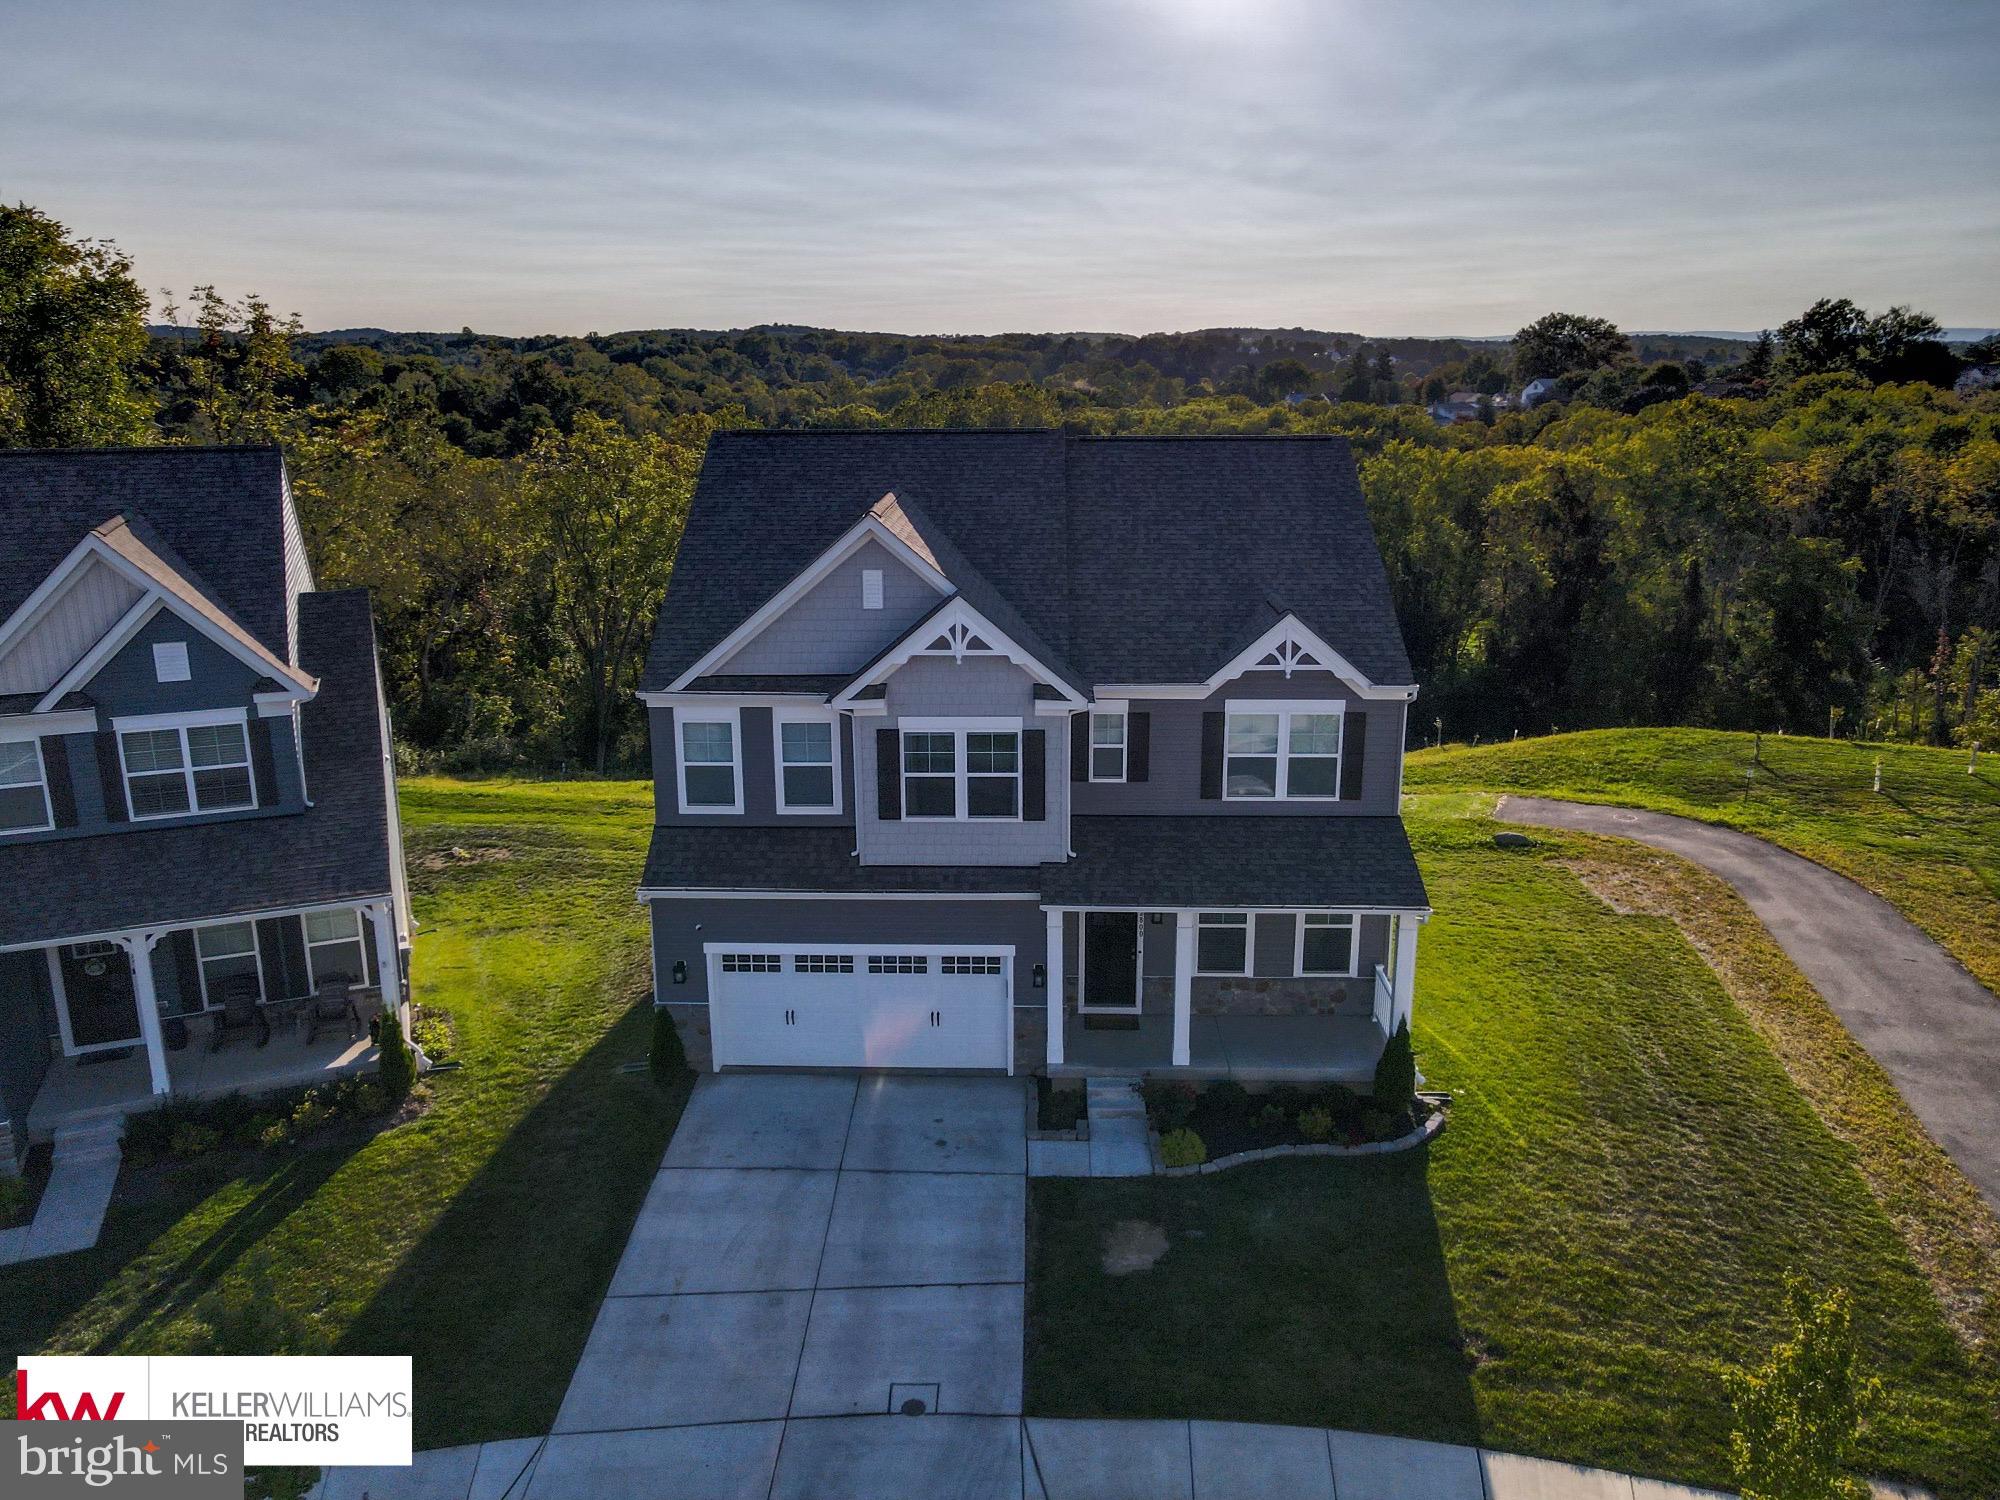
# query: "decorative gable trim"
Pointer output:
{"type": "Point", "coordinates": [956, 630]}
{"type": "Point", "coordinates": [1290, 646]}
{"type": "Point", "coordinates": [870, 528]}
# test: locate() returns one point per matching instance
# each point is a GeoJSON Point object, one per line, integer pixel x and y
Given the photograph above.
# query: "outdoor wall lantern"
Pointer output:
{"type": "Point", "coordinates": [680, 971]}
{"type": "Point", "coordinates": [1041, 977]}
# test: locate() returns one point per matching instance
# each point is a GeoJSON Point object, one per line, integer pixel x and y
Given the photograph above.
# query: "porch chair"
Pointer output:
{"type": "Point", "coordinates": [239, 1011]}
{"type": "Point", "coordinates": [332, 1001]}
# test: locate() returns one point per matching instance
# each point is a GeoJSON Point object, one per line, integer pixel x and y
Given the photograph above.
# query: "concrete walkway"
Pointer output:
{"type": "Point", "coordinates": [1933, 1027]}
{"type": "Point", "coordinates": [71, 1213]}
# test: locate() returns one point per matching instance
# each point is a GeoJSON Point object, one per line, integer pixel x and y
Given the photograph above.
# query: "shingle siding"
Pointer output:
{"type": "Point", "coordinates": [827, 630]}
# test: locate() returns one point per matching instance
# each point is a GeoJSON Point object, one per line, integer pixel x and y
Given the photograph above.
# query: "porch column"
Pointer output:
{"type": "Point", "coordinates": [1054, 992]}
{"type": "Point", "coordinates": [1406, 969]}
{"type": "Point", "coordinates": [388, 962]}
{"type": "Point", "coordinates": [138, 948]}
{"type": "Point", "coordinates": [1183, 985]}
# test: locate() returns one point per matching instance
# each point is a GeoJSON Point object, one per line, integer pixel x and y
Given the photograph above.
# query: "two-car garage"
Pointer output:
{"type": "Point", "coordinates": [873, 1005]}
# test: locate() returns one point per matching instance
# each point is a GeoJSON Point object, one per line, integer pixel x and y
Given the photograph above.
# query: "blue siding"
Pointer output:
{"type": "Point", "coordinates": [127, 683]}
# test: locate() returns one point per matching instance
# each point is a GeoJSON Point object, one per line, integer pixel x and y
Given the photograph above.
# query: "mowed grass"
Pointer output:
{"type": "Point", "coordinates": [1928, 842]}
{"type": "Point", "coordinates": [480, 1236]}
{"type": "Point", "coordinates": [1601, 1232]}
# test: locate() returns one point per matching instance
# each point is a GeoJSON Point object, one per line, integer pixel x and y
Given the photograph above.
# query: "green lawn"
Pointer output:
{"type": "Point", "coordinates": [480, 1236]}
{"type": "Point", "coordinates": [1929, 841]}
{"type": "Point", "coordinates": [1602, 1229]}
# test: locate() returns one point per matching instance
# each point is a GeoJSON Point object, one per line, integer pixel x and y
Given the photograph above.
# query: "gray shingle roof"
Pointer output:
{"type": "Point", "coordinates": [684, 857]}
{"type": "Point", "coordinates": [1133, 559]}
{"type": "Point", "coordinates": [217, 506]}
{"type": "Point", "coordinates": [339, 848]}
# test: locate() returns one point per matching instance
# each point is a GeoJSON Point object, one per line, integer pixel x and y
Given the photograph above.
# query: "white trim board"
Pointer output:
{"type": "Point", "coordinates": [176, 924]}
{"type": "Point", "coordinates": [957, 622]}
{"type": "Point", "coordinates": [689, 893]}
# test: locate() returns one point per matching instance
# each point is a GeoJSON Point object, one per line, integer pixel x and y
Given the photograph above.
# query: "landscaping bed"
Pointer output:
{"type": "Point", "coordinates": [21, 1196]}
{"type": "Point", "coordinates": [1228, 1119]}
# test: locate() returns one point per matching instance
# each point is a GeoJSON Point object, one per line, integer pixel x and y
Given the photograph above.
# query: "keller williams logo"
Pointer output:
{"type": "Point", "coordinates": [49, 1406]}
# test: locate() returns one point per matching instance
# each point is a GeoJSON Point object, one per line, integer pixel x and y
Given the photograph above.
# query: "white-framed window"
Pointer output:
{"type": "Point", "coordinates": [1222, 942]}
{"type": "Point", "coordinates": [24, 788]}
{"type": "Point", "coordinates": [170, 661]}
{"type": "Point", "coordinates": [1283, 751]}
{"type": "Point", "coordinates": [1108, 744]}
{"type": "Point", "coordinates": [753, 963]}
{"type": "Point", "coordinates": [823, 963]}
{"type": "Point", "coordinates": [898, 963]}
{"type": "Point", "coordinates": [962, 769]}
{"type": "Point", "coordinates": [805, 749]}
{"type": "Point", "coordinates": [228, 951]}
{"type": "Point", "coordinates": [708, 759]}
{"type": "Point", "coordinates": [1326, 944]}
{"type": "Point", "coordinates": [333, 947]}
{"type": "Point", "coordinates": [180, 764]}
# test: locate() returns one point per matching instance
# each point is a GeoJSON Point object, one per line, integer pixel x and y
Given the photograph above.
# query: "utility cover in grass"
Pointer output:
{"type": "Point", "coordinates": [1133, 1245]}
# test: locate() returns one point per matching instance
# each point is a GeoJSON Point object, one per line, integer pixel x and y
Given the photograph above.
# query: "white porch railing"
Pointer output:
{"type": "Point", "coordinates": [1385, 1002]}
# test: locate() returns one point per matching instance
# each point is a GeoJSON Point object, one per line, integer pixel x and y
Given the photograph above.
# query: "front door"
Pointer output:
{"type": "Point", "coordinates": [97, 993]}
{"type": "Point", "coordinates": [1110, 962]}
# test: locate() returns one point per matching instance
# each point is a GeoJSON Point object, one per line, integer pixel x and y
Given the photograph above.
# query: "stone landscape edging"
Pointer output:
{"type": "Point", "coordinates": [1423, 1133]}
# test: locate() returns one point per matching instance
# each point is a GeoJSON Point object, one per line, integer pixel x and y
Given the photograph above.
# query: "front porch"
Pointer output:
{"type": "Point", "coordinates": [1249, 1049]}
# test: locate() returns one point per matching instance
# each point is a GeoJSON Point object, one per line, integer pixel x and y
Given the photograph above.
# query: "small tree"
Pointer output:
{"type": "Point", "coordinates": [1396, 1072]}
{"type": "Point", "coordinates": [398, 1070]}
{"type": "Point", "coordinates": [668, 1057]}
{"type": "Point", "coordinates": [1797, 1415]}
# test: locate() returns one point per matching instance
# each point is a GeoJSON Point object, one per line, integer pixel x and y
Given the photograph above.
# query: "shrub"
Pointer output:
{"type": "Point", "coordinates": [1182, 1148]}
{"type": "Point", "coordinates": [368, 1099]}
{"type": "Point", "coordinates": [275, 1134]}
{"type": "Point", "coordinates": [1396, 1073]}
{"type": "Point", "coordinates": [397, 1069]}
{"type": "Point", "coordinates": [1057, 1109]}
{"type": "Point", "coordinates": [1379, 1124]}
{"type": "Point", "coordinates": [1273, 1116]}
{"type": "Point", "coordinates": [190, 1139]}
{"type": "Point", "coordinates": [1797, 1415]}
{"type": "Point", "coordinates": [1316, 1125]}
{"type": "Point", "coordinates": [433, 1032]}
{"type": "Point", "coordinates": [667, 1057]}
{"type": "Point", "coordinates": [1228, 1100]}
{"type": "Point", "coordinates": [13, 1197]}
{"type": "Point", "coordinates": [308, 1116]}
{"type": "Point", "coordinates": [1170, 1105]}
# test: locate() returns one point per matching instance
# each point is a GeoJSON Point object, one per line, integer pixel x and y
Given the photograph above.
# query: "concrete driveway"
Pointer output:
{"type": "Point", "coordinates": [814, 1246]}
{"type": "Point", "coordinates": [1933, 1027]}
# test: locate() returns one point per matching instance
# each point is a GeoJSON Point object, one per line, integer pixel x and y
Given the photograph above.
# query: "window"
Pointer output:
{"type": "Point", "coordinates": [333, 947]}
{"type": "Point", "coordinates": [1107, 746]}
{"type": "Point", "coordinates": [711, 775]}
{"type": "Point", "coordinates": [1326, 943]}
{"type": "Point", "coordinates": [969, 772]}
{"type": "Point", "coordinates": [898, 963]}
{"type": "Point", "coordinates": [229, 957]}
{"type": "Point", "coordinates": [823, 963]}
{"type": "Point", "coordinates": [808, 762]}
{"type": "Point", "coordinates": [1222, 943]}
{"type": "Point", "coordinates": [170, 661]}
{"type": "Point", "coordinates": [871, 588]}
{"type": "Point", "coordinates": [24, 787]}
{"type": "Point", "coordinates": [752, 963]}
{"type": "Point", "coordinates": [200, 765]}
{"type": "Point", "coordinates": [1281, 750]}
{"type": "Point", "coordinates": [970, 963]}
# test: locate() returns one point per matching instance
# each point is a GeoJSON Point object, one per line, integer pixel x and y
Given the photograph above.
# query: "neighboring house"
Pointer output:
{"type": "Point", "coordinates": [1978, 378]}
{"type": "Point", "coordinates": [1022, 751]}
{"type": "Point", "coordinates": [1535, 392]}
{"type": "Point", "coordinates": [196, 792]}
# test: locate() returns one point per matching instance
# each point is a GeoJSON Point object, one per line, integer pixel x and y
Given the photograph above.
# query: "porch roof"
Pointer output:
{"type": "Point", "coordinates": [1295, 861]}
{"type": "Point", "coordinates": [818, 859]}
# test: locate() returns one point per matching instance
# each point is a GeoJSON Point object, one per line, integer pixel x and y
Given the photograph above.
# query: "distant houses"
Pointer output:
{"type": "Point", "coordinates": [1536, 391]}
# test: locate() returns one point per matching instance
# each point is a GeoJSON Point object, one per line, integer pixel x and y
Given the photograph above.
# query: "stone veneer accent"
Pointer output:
{"type": "Point", "coordinates": [1252, 996]}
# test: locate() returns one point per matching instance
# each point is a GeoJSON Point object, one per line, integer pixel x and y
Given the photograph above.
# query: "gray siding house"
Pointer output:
{"type": "Point", "coordinates": [197, 811]}
{"type": "Point", "coordinates": [1029, 752]}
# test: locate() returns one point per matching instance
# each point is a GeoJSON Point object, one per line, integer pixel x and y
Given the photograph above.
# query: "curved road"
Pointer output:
{"type": "Point", "coordinates": [1932, 1026]}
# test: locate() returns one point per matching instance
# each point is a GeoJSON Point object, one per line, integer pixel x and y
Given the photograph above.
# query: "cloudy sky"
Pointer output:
{"type": "Point", "coordinates": [974, 166]}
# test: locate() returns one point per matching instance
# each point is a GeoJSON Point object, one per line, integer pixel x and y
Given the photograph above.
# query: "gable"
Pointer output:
{"type": "Point", "coordinates": [128, 683]}
{"type": "Point", "coordinates": [828, 630]}
{"type": "Point", "coordinates": [95, 598]}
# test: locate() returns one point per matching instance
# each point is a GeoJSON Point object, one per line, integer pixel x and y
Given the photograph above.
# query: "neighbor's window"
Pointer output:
{"type": "Point", "coordinates": [1107, 747]}
{"type": "Point", "coordinates": [1326, 943]}
{"type": "Point", "coordinates": [1282, 752]}
{"type": "Point", "coordinates": [1222, 943]}
{"type": "Point", "coordinates": [228, 956]}
{"type": "Point", "coordinates": [333, 947]}
{"type": "Point", "coordinates": [806, 766]}
{"type": "Point", "coordinates": [24, 791]}
{"type": "Point", "coordinates": [711, 779]}
{"type": "Point", "coordinates": [187, 768]}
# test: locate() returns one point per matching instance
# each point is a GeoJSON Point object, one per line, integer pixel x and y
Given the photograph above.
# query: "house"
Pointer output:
{"type": "Point", "coordinates": [1535, 392]}
{"type": "Point", "coordinates": [1027, 752]}
{"type": "Point", "coordinates": [197, 821]}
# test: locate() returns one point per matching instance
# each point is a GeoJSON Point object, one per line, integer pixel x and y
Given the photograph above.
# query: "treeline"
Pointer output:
{"type": "Point", "coordinates": [1789, 534]}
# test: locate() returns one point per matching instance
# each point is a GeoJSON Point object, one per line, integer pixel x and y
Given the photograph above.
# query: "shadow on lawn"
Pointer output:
{"type": "Point", "coordinates": [495, 1302]}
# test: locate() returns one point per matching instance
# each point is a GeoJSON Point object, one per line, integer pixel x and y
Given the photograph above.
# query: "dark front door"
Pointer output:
{"type": "Point", "coordinates": [97, 988]}
{"type": "Point", "coordinates": [1111, 960]}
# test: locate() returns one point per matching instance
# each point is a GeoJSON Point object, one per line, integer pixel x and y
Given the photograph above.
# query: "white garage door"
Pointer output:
{"type": "Point", "coordinates": [868, 1006]}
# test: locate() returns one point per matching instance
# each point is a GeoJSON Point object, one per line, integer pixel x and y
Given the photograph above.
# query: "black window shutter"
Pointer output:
{"type": "Point", "coordinates": [111, 776]}
{"type": "Point", "coordinates": [271, 944]}
{"type": "Point", "coordinates": [1211, 757]}
{"type": "Point", "coordinates": [187, 969]}
{"type": "Point", "coordinates": [1353, 749]}
{"type": "Point", "coordinates": [1138, 746]}
{"type": "Point", "coordinates": [888, 775]}
{"type": "Point", "coordinates": [298, 974]}
{"type": "Point", "coordinates": [261, 766]}
{"type": "Point", "coordinates": [62, 796]}
{"type": "Point", "coordinates": [1079, 747]}
{"type": "Point", "coordinates": [1035, 776]}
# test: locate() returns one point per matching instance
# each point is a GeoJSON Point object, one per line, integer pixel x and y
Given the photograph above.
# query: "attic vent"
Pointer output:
{"type": "Point", "coordinates": [871, 588]}
{"type": "Point", "coordinates": [170, 661]}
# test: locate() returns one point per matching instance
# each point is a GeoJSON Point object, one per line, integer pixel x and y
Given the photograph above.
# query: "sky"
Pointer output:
{"type": "Point", "coordinates": [960, 166]}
